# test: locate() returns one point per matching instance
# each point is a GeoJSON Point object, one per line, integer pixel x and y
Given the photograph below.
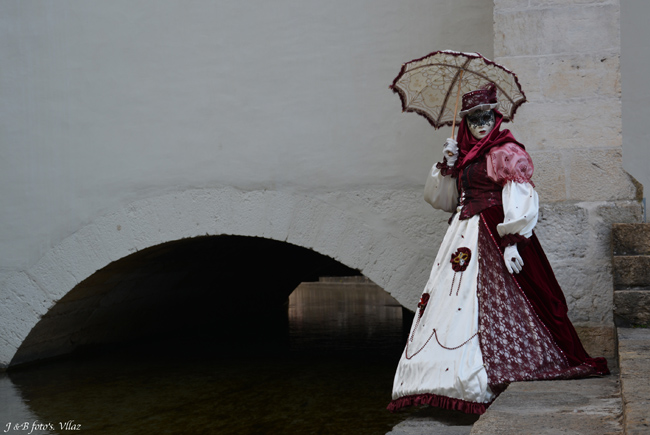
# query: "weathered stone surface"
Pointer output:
{"type": "Point", "coordinates": [612, 212]}
{"type": "Point", "coordinates": [634, 356]}
{"type": "Point", "coordinates": [527, 69]}
{"type": "Point", "coordinates": [423, 426]}
{"type": "Point", "coordinates": [587, 406]}
{"type": "Point", "coordinates": [511, 4]}
{"type": "Point", "coordinates": [631, 239]}
{"type": "Point", "coordinates": [571, 236]}
{"type": "Point", "coordinates": [537, 3]}
{"type": "Point", "coordinates": [568, 125]}
{"type": "Point", "coordinates": [589, 168]}
{"type": "Point", "coordinates": [527, 4]}
{"type": "Point", "coordinates": [581, 76]}
{"type": "Point", "coordinates": [549, 176]}
{"type": "Point", "coordinates": [558, 226]}
{"type": "Point", "coordinates": [437, 421]}
{"type": "Point", "coordinates": [631, 271]}
{"type": "Point", "coordinates": [539, 31]}
{"type": "Point", "coordinates": [576, 239]}
{"type": "Point", "coordinates": [584, 79]}
{"type": "Point", "coordinates": [599, 341]}
{"type": "Point", "coordinates": [633, 306]}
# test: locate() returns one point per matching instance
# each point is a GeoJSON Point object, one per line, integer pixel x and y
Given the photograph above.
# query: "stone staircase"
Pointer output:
{"type": "Point", "coordinates": [631, 270]}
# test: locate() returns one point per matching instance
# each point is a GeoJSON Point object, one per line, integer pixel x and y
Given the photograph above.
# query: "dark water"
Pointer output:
{"type": "Point", "coordinates": [326, 367]}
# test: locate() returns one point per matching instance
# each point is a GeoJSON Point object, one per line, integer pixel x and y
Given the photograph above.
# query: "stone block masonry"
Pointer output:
{"type": "Point", "coordinates": [567, 57]}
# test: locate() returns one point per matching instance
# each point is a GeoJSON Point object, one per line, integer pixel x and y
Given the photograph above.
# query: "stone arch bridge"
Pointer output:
{"type": "Point", "coordinates": [171, 255]}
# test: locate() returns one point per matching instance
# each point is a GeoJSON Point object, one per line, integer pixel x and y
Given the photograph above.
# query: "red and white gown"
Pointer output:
{"type": "Point", "coordinates": [477, 327]}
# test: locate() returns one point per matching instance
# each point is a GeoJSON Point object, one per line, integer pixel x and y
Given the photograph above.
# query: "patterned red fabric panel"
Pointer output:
{"type": "Point", "coordinates": [544, 294]}
{"type": "Point", "coordinates": [515, 343]}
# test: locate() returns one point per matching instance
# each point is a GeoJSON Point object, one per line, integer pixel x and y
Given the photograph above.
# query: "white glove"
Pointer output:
{"type": "Point", "coordinates": [513, 260]}
{"type": "Point", "coordinates": [450, 152]}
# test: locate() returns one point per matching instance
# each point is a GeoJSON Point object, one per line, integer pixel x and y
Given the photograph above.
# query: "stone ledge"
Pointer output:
{"type": "Point", "coordinates": [634, 356]}
{"type": "Point", "coordinates": [586, 406]}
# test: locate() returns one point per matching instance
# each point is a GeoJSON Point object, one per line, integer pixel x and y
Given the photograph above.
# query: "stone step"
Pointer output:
{"type": "Point", "coordinates": [428, 420]}
{"type": "Point", "coordinates": [584, 406]}
{"type": "Point", "coordinates": [632, 307]}
{"type": "Point", "coordinates": [634, 358]}
{"type": "Point", "coordinates": [631, 239]}
{"type": "Point", "coordinates": [631, 271]}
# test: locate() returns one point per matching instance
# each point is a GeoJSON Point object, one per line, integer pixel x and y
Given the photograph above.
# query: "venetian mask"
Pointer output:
{"type": "Point", "coordinates": [480, 123]}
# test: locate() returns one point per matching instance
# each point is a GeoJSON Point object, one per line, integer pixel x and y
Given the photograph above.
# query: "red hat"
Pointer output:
{"type": "Point", "coordinates": [481, 99]}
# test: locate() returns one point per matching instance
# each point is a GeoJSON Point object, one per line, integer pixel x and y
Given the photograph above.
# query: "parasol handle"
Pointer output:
{"type": "Point", "coordinates": [453, 125]}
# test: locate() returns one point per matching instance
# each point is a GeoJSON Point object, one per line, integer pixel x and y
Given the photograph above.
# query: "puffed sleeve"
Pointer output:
{"type": "Point", "coordinates": [440, 190]}
{"type": "Point", "coordinates": [510, 166]}
{"type": "Point", "coordinates": [520, 210]}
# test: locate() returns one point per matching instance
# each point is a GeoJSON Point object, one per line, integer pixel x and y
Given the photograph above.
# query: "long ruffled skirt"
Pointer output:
{"type": "Point", "coordinates": [478, 327]}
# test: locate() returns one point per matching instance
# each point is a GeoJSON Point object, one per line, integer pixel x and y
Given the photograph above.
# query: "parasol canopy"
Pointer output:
{"type": "Point", "coordinates": [432, 85]}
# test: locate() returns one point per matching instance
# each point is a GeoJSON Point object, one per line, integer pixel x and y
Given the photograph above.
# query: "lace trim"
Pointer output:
{"type": "Point", "coordinates": [447, 170]}
{"type": "Point", "coordinates": [434, 123]}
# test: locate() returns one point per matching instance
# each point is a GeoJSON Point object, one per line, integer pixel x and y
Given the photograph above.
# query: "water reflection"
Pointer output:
{"type": "Point", "coordinates": [15, 415]}
{"type": "Point", "coordinates": [325, 368]}
{"type": "Point", "coordinates": [345, 317]}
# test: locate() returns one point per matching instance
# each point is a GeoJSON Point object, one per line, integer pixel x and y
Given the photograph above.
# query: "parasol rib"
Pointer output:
{"type": "Point", "coordinates": [453, 124]}
{"type": "Point", "coordinates": [451, 86]}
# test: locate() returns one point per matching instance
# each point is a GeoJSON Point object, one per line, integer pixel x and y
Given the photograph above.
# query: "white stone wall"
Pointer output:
{"type": "Point", "coordinates": [130, 123]}
{"type": "Point", "coordinates": [567, 57]}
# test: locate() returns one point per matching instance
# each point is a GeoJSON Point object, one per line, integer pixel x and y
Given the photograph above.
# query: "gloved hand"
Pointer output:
{"type": "Point", "coordinates": [513, 260]}
{"type": "Point", "coordinates": [450, 152]}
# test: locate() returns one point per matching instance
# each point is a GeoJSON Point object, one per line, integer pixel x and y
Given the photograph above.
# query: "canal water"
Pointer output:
{"type": "Point", "coordinates": [324, 365]}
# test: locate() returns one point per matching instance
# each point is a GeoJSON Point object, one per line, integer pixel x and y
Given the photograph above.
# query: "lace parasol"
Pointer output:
{"type": "Point", "coordinates": [432, 84]}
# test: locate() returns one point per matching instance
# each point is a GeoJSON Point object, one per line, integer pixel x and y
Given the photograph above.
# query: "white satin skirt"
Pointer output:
{"type": "Point", "coordinates": [443, 355]}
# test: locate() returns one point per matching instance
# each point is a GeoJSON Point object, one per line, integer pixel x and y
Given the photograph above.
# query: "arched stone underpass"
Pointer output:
{"type": "Point", "coordinates": [202, 283]}
{"type": "Point", "coordinates": [386, 235]}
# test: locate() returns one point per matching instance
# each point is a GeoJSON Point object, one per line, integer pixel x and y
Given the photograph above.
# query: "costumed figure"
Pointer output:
{"type": "Point", "coordinates": [492, 311]}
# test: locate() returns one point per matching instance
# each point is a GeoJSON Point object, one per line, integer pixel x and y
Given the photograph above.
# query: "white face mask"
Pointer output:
{"type": "Point", "coordinates": [481, 123]}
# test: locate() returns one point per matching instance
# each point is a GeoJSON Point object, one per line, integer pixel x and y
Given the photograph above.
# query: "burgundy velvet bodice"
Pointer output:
{"type": "Point", "coordinates": [477, 191]}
